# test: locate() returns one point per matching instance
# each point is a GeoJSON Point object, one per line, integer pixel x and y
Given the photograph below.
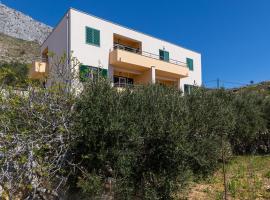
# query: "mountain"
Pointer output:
{"type": "Point", "coordinates": [16, 24]}
{"type": "Point", "coordinates": [20, 36]}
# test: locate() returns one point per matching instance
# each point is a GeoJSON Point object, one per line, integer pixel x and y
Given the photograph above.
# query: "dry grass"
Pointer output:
{"type": "Point", "coordinates": [12, 49]}
{"type": "Point", "coordinates": [248, 177]}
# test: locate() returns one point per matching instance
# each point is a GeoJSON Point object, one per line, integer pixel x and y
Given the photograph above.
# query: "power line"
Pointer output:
{"type": "Point", "coordinates": [220, 82]}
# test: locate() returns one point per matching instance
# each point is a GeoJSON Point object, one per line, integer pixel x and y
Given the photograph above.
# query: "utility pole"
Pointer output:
{"type": "Point", "coordinates": [218, 83]}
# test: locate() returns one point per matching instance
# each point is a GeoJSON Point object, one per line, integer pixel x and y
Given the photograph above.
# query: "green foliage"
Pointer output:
{"type": "Point", "coordinates": [34, 140]}
{"type": "Point", "coordinates": [14, 74]}
{"type": "Point", "coordinates": [91, 185]}
{"type": "Point", "coordinates": [135, 134]}
{"type": "Point", "coordinates": [251, 124]}
{"type": "Point", "coordinates": [141, 143]}
{"type": "Point", "coordinates": [152, 138]}
{"type": "Point", "coordinates": [210, 119]}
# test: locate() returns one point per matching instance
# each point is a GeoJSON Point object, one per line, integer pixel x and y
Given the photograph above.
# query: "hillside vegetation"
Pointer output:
{"type": "Point", "coordinates": [262, 88]}
{"type": "Point", "coordinates": [142, 143]}
{"type": "Point", "coordinates": [17, 50]}
{"type": "Point", "coordinates": [248, 178]}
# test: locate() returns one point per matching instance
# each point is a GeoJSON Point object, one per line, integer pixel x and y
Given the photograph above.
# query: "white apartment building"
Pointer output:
{"type": "Point", "coordinates": [127, 57]}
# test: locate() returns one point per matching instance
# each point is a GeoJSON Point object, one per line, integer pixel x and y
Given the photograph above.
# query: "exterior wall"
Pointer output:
{"type": "Point", "coordinates": [70, 35]}
{"type": "Point", "coordinates": [99, 56]}
{"type": "Point", "coordinates": [57, 42]}
{"type": "Point", "coordinates": [144, 78]}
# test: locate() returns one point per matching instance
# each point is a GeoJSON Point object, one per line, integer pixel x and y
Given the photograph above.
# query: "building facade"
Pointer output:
{"type": "Point", "coordinates": [127, 57]}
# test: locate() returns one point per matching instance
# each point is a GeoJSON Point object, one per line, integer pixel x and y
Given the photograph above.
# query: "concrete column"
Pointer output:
{"type": "Point", "coordinates": [179, 83]}
{"type": "Point", "coordinates": [153, 74]}
{"type": "Point", "coordinates": [110, 74]}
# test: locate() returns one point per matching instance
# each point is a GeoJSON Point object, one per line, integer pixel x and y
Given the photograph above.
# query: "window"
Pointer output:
{"type": "Point", "coordinates": [92, 36]}
{"type": "Point", "coordinates": [188, 88]}
{"type": "Point", "coordinates": [88, 72]}
{"type": "Point", "coordinates": [120, 81]}
{"type": "Point", "coordinates": [190, 63]}
{"type": "Point", "coordinates": [164, 55]}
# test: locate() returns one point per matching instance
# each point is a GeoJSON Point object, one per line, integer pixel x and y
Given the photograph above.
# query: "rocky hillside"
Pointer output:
{"type": "Point", "coordinates": [20, 36]}
{"type": "Point", "coordinates": [16, 24]}
{"type": "Point", "coordinates": [18, 50]}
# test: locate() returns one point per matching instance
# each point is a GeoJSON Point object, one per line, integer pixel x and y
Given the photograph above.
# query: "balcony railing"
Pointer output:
{"type": "Point", "coordinates": [147, 54]}
{"type": "Point", "coordinates": [123, 85]}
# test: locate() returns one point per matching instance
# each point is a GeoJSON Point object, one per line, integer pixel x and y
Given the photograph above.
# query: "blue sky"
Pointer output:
{"type": "Point", "coordinates": [233, 36]}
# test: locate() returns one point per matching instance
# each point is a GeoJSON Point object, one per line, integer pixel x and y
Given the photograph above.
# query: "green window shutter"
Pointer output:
{"type": "Point", "coordinates": [84, 73]}
{"type": "Point", "coordinates": [92, 36]}
{"type": "Point", "coordinates": [161, 54]}
{"type": "Point", "coordinates": [164, 55]}
{"type": "Point", "coordinates": [190, 63]}
{"type": "Point", "coordinates": [87, 72]}
{"type": "Point", "coordinates": [89, 35]}
{"type": "Point", "coordinates": [97, 37]}
{"type": "Point", "coordinates": [104, 73]}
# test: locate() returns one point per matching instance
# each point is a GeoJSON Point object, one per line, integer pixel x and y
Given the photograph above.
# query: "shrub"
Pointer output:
{"type": "Point", "coordinates": [251, 125]}
{"type": "Point", "coordinates": [149, 139]}
{"type": "Point", "coordinates": [35, 138]}
{"type": "Point", "coordinates": [210, 120]}
{"type": "Point", "coordinates": [137, 134]}
{"type": "Point", "coordinates": [14, 74]}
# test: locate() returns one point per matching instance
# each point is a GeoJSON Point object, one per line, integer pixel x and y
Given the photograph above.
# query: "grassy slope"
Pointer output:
{"type": "Point", "coordinates": [12, 49]}
{"type": "Point", "coordinates": [263, 88]}
{"type": "Point", "coordinates": [248, 178]}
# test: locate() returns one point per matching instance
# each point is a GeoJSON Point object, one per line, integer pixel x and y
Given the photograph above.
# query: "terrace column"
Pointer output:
{"type": "Point", "coordinates": [111, 72]}
{"type": "Point", "coordinates": [153, 74]}
{"type": "Point", "coordinates": [179, 83]}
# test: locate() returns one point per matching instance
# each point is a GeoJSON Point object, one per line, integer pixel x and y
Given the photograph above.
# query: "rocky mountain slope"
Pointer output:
{"type": "Point", "coordinates": [16, 24]}
{"type": "Point", "coordinates": [20, 36]}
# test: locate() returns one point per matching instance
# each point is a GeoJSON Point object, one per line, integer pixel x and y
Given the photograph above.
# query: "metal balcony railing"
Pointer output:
{"type": "Point", "coordinates": [123, 85]}
{"type": "Point", "coordinates": [147, 54]}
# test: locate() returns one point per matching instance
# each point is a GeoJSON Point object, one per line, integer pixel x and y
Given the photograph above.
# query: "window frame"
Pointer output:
{"type": "Point", "coordinates": [191, 60]}
{"type": "Point", "coordinates": [92, 72]}
{"type": "Point", "coordinates": [163, 57]}
{"type": "Point", "coordinates": [93, 39]}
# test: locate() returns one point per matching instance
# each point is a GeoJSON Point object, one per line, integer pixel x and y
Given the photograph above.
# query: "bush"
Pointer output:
{"type": "Point", "coordinates": [141, 143]}
{"type": "Point", "coordinates": [35, 140]}
{"type": "Point", "coordinates": [134, 134]}
{"type": "Point", "coordinates": [149, 140]}
{"type": "Point", "coordinates": [251, 123]}
{"type": "Point", "coordinates": [210, 120]}
{"type": "Point", "coordinates": [14, 74]}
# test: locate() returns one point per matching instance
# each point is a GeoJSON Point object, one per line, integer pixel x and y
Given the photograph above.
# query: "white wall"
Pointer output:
{"type": "Point", "coordinates": [57, 41]}
{"type": "Point", "coordinates": [99, 56]}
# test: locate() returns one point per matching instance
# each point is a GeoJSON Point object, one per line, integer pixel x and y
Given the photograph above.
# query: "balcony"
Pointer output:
{"type": "Point", "coordinates": [134, 59]}
{"type": "Point", "coordinates": [38, 70]}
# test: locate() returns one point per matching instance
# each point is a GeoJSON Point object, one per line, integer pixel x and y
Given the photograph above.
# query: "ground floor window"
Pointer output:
{"type": "Point", "coordinates": [188, 88]}
{"type": "Point", "coordinates": [120, 81]}
{"type": "Point", "coordinates": [94, 73]}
